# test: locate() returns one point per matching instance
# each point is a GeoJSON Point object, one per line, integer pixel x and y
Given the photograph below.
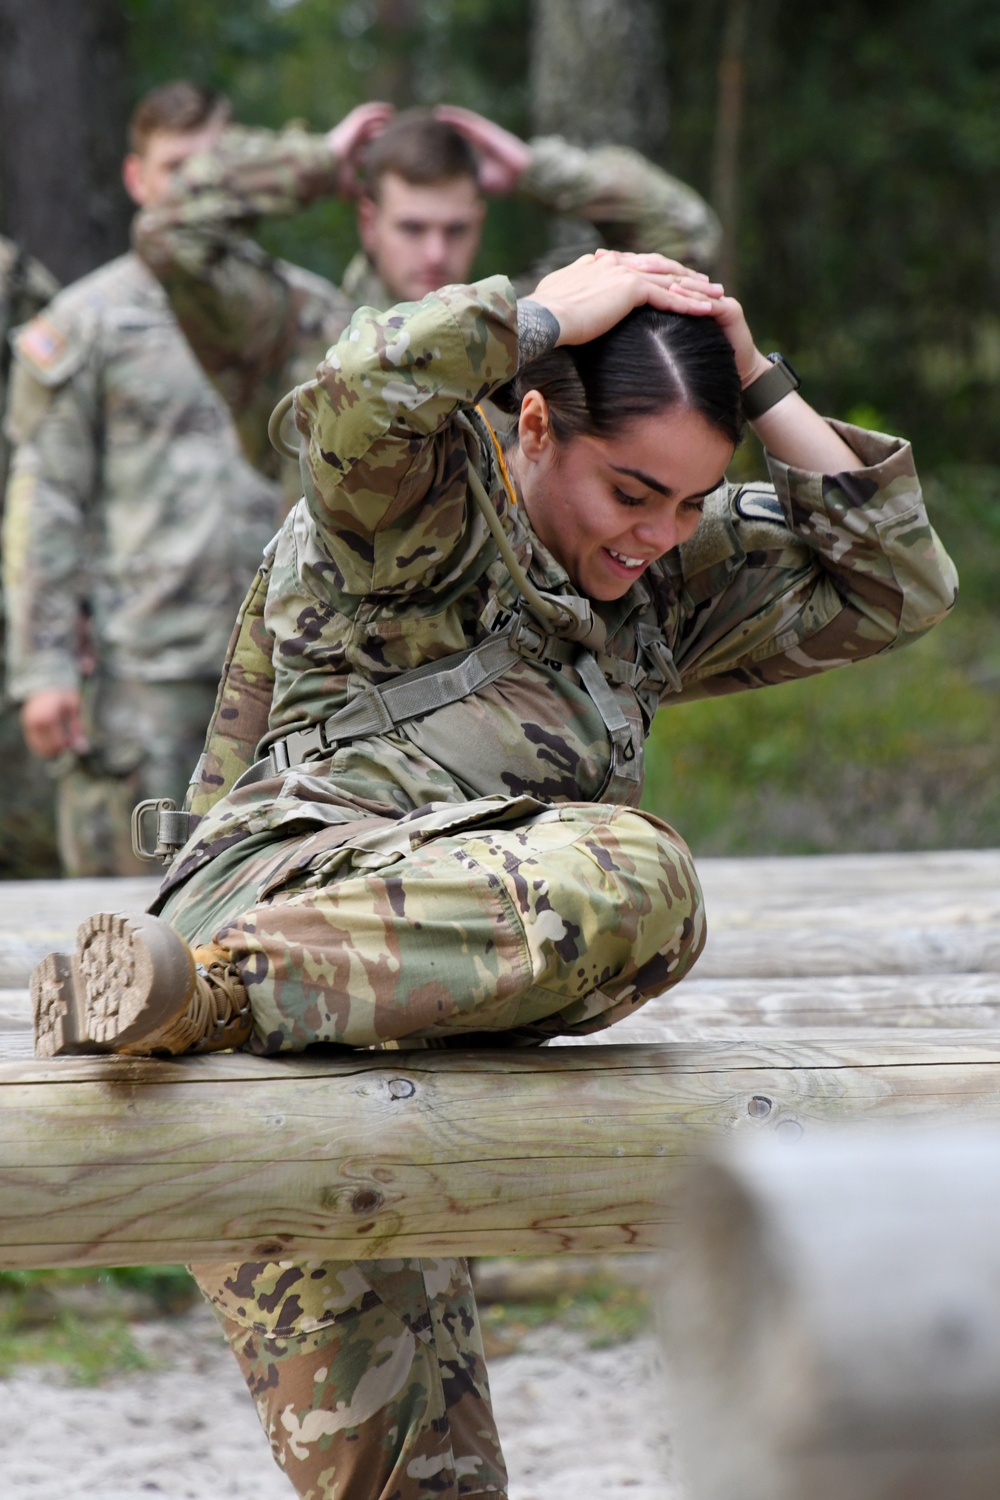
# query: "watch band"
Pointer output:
{"type": "Point", "coordinates": [768, 389]}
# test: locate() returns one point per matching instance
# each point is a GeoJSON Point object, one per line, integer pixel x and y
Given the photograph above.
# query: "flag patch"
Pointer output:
{"type": "Point", "coordinates": [41, 343]}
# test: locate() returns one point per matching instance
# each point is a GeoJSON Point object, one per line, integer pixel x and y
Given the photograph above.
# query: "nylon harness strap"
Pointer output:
{"type": "Point", "coordinates": [423, 690]}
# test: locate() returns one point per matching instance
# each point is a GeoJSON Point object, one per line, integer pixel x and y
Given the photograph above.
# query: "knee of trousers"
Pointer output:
{"type": "Point", "coordinates": [604, 896]}
{"type": "Point", "coordinates": [659, 885]}
{"type": "Point", "coordinates": [643, 921]}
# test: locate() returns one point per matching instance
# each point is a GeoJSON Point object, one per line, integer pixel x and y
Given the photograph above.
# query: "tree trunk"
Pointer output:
{"type": "Point", "coordinates": [729, 124]}
{"type": "Point", "coordinates": [598, 73]}
{"type": "Point", "coordinates": [62, 130]}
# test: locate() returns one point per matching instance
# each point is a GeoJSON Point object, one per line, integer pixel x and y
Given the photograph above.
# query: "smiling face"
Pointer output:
{"type": "Point", "coordinates": [608, 507]}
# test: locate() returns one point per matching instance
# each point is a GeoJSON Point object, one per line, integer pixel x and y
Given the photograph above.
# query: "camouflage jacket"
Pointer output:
{"type": "Point", "coordinates": [259, 329]}
{"type": "Point", "coordinates": [129, 502]}
{"type": "Point", "coordinates": [387, 564]}
{"type": "Point", "coordinates": [25, 287]}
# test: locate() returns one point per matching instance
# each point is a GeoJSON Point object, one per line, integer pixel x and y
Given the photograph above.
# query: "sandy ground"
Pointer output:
{"type": "Point", "coordinates": [577, 1424]}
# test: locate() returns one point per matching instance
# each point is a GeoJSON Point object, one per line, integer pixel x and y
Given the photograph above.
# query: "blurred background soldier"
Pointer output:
{"type": "Point", "coordinates": [132, 526]}
{"type": "Point", "coordinates": [25, 287]}
{"type": "Point", "coordinates": [26, 829]}
{"type": "Point", "coordinates": [419, 178]}
{"type": "Point", "coordinates": [420, 209]}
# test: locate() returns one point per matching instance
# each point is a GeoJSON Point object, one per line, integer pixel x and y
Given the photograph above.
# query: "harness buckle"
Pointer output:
{"type": "Point", "coordinates": [173, 828]}
{"type": "Point", "coordinates": [296, 748]}
{"type": "Point", "coordinates": [527, 638]}
{"type": "Point", "coordinates": [664, 666]}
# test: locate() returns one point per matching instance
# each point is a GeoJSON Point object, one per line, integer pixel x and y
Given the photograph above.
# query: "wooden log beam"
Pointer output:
{"type": "Point", "coordinates": [832, 1318]}
{"type": "Point", "coordinates": [118, 1161]}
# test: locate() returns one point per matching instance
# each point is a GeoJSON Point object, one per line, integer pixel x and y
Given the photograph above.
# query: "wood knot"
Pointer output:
{"type": "Point", "coordinates": [365, 1201]}
{"type": "Point", "coordinates": [759, 1107]}
{"type": "Point", "coordinates": [401, 1088]}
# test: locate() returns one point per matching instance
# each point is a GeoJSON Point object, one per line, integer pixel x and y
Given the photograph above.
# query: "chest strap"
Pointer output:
{"type": "Point", "coordinates": [377, 710]}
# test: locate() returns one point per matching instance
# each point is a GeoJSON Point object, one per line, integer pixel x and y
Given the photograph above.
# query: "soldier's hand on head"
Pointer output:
{"type": "Point", "coordinates": [592, 294]}
{"type": "Point", "coordinates": [51, 722]}
{"type": "Point", "coordinates": [503, 156]}
{"type": "Point", "coordinates": [348, 139]}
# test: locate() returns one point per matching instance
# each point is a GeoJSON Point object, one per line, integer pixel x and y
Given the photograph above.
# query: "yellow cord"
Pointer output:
{"type": "Point", "coordinates": [501, 461]}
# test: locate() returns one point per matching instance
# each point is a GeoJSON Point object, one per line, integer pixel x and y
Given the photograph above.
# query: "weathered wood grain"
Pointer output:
{"type": "Point", "coordinates": [832, 1318]}
{"type": "Point", "coordinates": [113, 1161]}
{"type": "Point", "coordinates": [704, 1007]}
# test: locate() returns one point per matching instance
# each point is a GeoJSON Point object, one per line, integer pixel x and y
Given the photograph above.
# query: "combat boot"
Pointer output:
{"type": "Point", "coordinates": [134, 986]}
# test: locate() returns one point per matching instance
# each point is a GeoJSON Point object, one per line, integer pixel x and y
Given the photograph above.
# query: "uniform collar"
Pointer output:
{"type": "Point", "coordinates": [364, 286]}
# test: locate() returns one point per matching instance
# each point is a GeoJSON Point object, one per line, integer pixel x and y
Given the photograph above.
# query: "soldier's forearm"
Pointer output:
{"type": "Point", "coordinates": [249, 175]}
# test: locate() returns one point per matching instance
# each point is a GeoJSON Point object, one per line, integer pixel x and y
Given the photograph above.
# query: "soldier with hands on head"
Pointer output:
{"type": "Point", "coordinates": [418, 177]}
{"type": "Point", "coordinates": [133, 524]}
{"type": "Point", "coordinates": [440, 841]}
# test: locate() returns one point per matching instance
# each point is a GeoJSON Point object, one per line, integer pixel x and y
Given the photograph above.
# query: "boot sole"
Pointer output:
{"type": "Point", "coordinates": [129, 978]}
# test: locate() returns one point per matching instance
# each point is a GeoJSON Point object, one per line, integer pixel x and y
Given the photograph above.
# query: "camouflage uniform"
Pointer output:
{"type": "Point", "coordinates": [481, 869]}
{"type": "Point", "coordinates": [27, 835]}
{"type": "Point", "coordinates": [25, 287]}
{"type": "Point", "coordinates": [133, 525]}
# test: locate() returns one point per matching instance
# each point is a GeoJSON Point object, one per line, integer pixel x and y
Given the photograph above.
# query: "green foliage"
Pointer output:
{"type": "Point", "coordinates": [80, 1319]}
{"type": "Point", "coordinates": [167, 1288]}
{"type": "Point", "coordinates": [606, 1311]}
{"type": "Point", "coordinates": [869, 169]}
{"type": "Point", "coordinates": [88, 1351]}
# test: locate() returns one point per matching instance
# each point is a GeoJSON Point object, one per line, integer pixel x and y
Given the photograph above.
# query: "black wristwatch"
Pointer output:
{"type": "Point", "coordinates": [768, 389]}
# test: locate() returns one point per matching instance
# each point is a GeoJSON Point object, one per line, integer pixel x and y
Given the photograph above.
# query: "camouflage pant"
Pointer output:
{"type": "Point", "coordinates": [369, 1378]}
{"type": "Point", "coordinates": [145, 739]}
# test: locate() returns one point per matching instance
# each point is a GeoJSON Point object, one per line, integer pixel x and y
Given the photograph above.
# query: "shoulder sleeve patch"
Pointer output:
{"type": "Point", "coordinates": [759, 503]}
{"type": "Point", "coordinates": [41, 343]}
{"type": "Point", "coordinates": [46, 351]}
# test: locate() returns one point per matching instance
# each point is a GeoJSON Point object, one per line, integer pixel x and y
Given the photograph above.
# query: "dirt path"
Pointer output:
{"type": "Point", "coordinates": [577, 1424]}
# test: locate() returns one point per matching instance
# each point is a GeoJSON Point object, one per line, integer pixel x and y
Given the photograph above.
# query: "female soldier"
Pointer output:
{"type": "Point", "coordinates": [441, 837]}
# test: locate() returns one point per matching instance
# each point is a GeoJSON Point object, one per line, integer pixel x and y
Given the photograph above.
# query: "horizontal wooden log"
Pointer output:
{"type": "Point", "coordinates": [832, 1318]}
{"type": "Point", "coordinates": [121, 1161]}
{"type": "Point", "coordinates": [768, 918]}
